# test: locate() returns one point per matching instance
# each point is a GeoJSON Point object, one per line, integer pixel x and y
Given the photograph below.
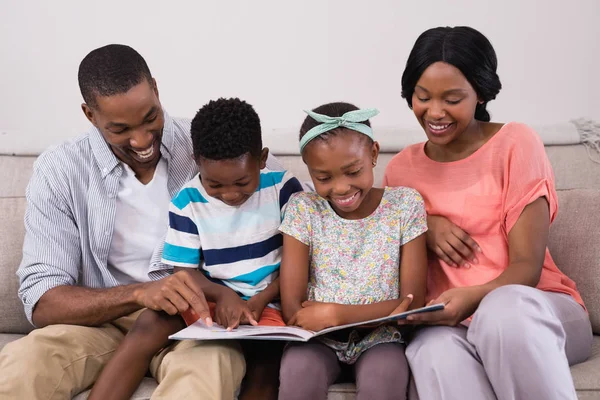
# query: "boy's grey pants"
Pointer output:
{"type": "Point", "coordinates": [519, 345]}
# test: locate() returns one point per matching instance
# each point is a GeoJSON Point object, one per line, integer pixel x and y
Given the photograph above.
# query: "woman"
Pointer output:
{"type": "Point", "coordinates": [513, 323]}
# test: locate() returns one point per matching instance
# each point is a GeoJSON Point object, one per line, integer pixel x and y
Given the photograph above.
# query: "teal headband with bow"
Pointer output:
{"type": "Point", "coordinates": [350, 120]}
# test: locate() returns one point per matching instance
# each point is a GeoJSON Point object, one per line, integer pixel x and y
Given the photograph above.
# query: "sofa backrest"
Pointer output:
{"type": "Point", "coordinates": [573, 239]}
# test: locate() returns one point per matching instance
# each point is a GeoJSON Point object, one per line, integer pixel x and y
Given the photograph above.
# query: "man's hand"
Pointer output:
{"type": "Point", "coordinates": [175, 294]}
{"type": "Point", "coordinates": [450, 243]}
{"type": "Point", "coordinates": [231, 311]}
{"type": "Point", "coordinates": [315, 316]}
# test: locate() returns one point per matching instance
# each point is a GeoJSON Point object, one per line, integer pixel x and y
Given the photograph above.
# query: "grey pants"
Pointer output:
{"type": "Point", "coordinates": [308, 369]}
{"type": "Point", "coordinates": [519, 345]}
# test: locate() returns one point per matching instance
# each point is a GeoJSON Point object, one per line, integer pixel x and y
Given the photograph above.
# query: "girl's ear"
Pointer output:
{"type": "Point", "coordinates": [374, 153]}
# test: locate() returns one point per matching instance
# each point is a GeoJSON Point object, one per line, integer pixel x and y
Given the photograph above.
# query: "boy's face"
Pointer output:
{"type": "Point", "coordinates": [232, 181]}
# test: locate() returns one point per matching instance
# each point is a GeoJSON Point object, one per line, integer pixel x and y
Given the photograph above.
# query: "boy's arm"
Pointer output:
{"type": "Point", "coordinates": [271, 292]}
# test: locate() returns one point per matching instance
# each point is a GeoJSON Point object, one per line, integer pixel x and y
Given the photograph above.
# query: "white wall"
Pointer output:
{"type": "Point", "coordinates": [284, 56]}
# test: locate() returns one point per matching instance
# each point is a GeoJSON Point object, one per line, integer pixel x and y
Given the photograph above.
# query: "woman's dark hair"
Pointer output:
{"type": "Point", "coordinates": [466, 49]}
{"type": "Point", "coordinates": [332, 110]}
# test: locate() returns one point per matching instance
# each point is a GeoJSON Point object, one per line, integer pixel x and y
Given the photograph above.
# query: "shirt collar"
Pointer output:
{"type": "Point", "coordinates": [106, 159]}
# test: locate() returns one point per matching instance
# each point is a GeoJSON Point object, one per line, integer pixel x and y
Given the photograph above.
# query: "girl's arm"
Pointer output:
{"type": "Point", "coordinates": [293, 276]}
{"type": "Point", "coordinates": [413, 281]}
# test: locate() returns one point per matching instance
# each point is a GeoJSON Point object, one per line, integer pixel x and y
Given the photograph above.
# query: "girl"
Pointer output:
{"type": "Point", "coordinates": [490, 196]}
{"type": "Point", "coordinates": [342, 261]}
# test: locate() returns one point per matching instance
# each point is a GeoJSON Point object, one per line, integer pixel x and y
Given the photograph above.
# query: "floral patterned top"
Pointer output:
{"type": "Point", "coordinates": [355, 261]}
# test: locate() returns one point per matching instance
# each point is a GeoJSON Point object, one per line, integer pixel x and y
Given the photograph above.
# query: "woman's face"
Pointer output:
{"type": "Point", "coordinates": [444, 103]}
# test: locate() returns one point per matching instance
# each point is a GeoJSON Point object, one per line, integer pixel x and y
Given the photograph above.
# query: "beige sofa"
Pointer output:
{"type": "Point", "coordinates": [574, 237]}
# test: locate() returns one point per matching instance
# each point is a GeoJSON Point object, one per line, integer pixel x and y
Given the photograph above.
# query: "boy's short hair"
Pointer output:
{"type": "Point", "coordinates": [226, 129]}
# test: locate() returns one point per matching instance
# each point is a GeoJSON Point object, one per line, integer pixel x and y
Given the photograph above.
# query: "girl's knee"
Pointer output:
{"type": "Point", "coordinates": [305, 372]}
{"type": "Point", "coordinates": [382, 373]}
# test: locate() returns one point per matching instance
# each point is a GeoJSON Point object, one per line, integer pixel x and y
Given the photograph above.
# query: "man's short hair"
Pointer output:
{"type": "Point", "coordinates": [110, 70]}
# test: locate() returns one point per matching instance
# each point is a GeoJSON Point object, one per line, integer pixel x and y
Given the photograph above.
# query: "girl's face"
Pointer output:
{"type": "Point", "coordinates": [444, 103]}
{"type": "Point", "coordinates": [341, 169]}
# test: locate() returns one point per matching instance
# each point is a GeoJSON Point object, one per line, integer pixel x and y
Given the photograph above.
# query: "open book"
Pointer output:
{"type": "Point", "coordinates": [200, 331]}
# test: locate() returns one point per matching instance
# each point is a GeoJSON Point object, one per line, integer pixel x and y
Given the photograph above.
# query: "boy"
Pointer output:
{"type": "Point", "coordinates": [223, 223]}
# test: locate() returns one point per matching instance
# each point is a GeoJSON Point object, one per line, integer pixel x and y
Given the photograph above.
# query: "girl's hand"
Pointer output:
{"type": "Point", "coordinates": [315, 316]}
{"type": "Point", "coordinates": [460, 304]}
{"type": "Point", "coordinates": [450, 243]}
{"type": "Point", "coordinates": [231, 311]}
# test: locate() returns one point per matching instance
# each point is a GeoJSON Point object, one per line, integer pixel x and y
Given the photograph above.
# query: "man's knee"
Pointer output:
{"type": "Point", "coordinates": [193, 357]}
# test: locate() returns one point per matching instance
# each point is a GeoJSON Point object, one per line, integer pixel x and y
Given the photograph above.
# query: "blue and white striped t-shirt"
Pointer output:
{"type": "Point", "coordinates": [239, 247]}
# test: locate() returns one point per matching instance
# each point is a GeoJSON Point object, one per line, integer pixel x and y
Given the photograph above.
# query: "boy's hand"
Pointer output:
{"type": "Point", "coordinates": [256, 304]}
{"type": "Point", "coordinates": [315, 316]}
{"type": "Point", "coordinates": [231, 310]}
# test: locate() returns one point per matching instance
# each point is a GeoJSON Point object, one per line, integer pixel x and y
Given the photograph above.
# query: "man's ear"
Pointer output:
{"type": "Point", "coordinates": [264, 154]}
{"type": "Point", "coordinates": [155, 88]}
{"type": "Point", "coordinates": [89, 113]}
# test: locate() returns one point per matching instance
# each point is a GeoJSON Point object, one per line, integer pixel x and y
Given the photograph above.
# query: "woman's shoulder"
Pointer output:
{"type": "Point", "coordinates": [518, 132]}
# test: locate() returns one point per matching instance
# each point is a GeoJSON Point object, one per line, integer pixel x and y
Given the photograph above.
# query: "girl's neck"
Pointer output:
{"type": "Point", "coordinates": [366, 208]}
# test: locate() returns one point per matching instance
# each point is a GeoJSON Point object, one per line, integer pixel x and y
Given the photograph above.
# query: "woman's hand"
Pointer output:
{"type": "Point", "coordinates": [460, 304]}
{"type": "Point", "coordinates": [315, 316]}
{"type": "Point", "coordinates": [450, 243]}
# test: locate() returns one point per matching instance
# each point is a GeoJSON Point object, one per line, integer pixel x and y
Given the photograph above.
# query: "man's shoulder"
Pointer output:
{"type": "Point", "coordinates": [67, 157]}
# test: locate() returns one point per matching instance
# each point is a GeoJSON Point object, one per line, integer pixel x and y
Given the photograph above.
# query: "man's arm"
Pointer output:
{"type": "Point", "coordinates": [49, 271]}
{"type": "Point", "coordinates": [91, 307]}
{"type": "Point", "coordinates": [77, 305]}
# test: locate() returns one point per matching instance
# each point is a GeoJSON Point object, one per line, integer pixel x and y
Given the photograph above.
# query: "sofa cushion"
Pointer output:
{"type": "Point", "coordinates": [575, 247]}
{"type": "Point", "coordinates": [12, 231]}
{"type": "Point", "coordinates": [586, 375]}
{"type": "Point", "coordinates": [14, 175]}
{"type": "Point", "coordinates": [573, 167]}
{"type": "Point", "coordinates": [6, 338]}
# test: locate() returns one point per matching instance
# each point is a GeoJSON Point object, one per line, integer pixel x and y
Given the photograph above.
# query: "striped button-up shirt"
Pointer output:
{"type": "Point", "coordinates": [71, 206]}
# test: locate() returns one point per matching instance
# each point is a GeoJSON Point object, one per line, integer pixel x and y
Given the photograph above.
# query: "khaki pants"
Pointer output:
{"type": "Point", "coordinates": [60, 361]}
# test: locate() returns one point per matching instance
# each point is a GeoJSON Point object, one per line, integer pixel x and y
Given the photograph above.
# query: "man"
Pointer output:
{"type": "Point", "coordinates": [97, 210]}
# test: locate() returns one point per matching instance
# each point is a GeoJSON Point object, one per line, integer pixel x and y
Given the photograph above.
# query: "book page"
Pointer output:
{"type": "Point", "coordinates": [200, 331]}
{"type": "Point", "coordinates": [389, 318]}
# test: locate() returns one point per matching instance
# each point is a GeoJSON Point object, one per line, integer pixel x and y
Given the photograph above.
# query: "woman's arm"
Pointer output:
{"type": "Point", "coordinates": [293, 276]}
{"type": "Point", "coordinates": [527, 242]}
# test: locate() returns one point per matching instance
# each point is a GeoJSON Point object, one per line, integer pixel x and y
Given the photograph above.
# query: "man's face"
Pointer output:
{"type": "Point", "coordinates": [132, 125]}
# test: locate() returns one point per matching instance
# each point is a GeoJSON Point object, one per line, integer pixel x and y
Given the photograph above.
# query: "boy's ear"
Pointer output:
{"type": "Point", "coordinates": [264, 154]}
{"type": "Point", "coordinates": [374, 153]}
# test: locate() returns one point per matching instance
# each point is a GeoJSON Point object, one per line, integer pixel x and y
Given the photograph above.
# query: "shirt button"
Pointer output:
{"type": "Point", "coordinates": [111, 195]}
{"type": "Point", "coordinates": [104, 170]}
{"type": "Point", "coordinates": [107, 233]}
